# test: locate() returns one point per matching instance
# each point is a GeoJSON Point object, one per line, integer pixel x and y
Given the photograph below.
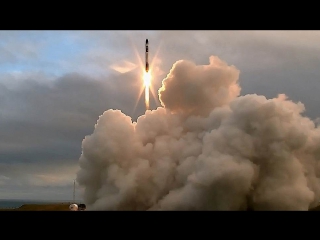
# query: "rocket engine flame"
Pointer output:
{"type": "Point", "coordinates": [147, 84]}
{"type": "Point", "coordinates": [146, 70]}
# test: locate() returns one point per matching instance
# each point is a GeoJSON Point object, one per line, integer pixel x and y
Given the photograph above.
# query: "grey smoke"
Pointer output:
{"type": "Point", "coordinates": [207, 148]}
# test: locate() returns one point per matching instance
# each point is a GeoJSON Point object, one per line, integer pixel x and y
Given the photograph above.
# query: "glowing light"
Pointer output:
{"type": "Point", "coordinates": [147, 84]}
{"type": "Point", "coordinates": [146, 77]}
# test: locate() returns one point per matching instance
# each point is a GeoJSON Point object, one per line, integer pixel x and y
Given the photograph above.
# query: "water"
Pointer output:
{"type": "Point", "coordinates": [15, 203]}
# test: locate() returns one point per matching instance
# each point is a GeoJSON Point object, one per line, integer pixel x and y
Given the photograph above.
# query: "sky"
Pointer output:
{"type": "Point", "coordinates": [54, 85]}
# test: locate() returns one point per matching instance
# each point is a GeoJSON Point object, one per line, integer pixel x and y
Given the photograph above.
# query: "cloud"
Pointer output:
{"type": "Point", "coordinates": [43, 124]}
{"type": "Point", "coordinates": [182, 90]}
{"type": "Point", "coordinates": [205, 149]}
{"type": "Point", "coordinates": [13, 51]}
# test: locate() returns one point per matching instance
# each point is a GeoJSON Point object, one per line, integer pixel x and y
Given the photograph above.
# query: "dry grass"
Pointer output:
{"type": "Point", "coordinates": [41, 207]}
{"type": "Point", "coordinates": [64, 207]}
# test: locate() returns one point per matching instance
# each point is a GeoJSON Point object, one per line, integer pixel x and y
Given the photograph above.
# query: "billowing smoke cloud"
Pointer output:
{"type": "Point", "coordinates": [207, 148]}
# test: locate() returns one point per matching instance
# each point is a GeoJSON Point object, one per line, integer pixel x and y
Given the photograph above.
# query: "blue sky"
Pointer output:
{"type": "Point", "coordinates": [56, 84]}
{"type": "Point", "coordinates": [52, 52]}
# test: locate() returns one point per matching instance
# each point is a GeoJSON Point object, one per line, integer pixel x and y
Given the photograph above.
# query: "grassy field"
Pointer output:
{"type": "Point", "coordinates": [41, 207]}
{"type": "Point", "coordinates": [62, 207]}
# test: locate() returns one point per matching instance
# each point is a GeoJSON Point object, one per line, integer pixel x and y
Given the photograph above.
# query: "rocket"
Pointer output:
{"type": "Point", "coordinates": [147, 53]}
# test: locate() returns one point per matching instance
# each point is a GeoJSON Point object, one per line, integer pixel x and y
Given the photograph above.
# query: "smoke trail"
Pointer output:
{"type": "Point", "coordinates": [207, 148]}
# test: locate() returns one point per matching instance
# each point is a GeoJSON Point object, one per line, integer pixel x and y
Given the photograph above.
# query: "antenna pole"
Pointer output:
{"type": "Point", "coordinates": [74, 190]}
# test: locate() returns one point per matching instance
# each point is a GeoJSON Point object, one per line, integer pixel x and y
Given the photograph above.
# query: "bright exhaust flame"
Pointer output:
{"type": "Point", "coordinates": [147, 84]}
{"type": "Point", "coordinates": [146, 78]}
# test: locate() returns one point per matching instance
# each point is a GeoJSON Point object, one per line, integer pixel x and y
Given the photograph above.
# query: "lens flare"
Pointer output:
{"type": "Point", "coordinates": [147, 84]}
{"type": "Point", "coordinates": [146, 78]}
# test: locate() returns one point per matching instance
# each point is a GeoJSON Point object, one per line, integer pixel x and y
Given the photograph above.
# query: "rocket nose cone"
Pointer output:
{"type": "Point", "coordinates": [146, 40]}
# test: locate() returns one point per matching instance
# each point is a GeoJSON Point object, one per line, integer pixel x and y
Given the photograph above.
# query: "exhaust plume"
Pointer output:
{"type": "Point", "coordinates": [207, 148]}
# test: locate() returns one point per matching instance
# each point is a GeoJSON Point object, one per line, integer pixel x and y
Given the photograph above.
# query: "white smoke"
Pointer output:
{"type": "Point", "coordinates": [207, 148]}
